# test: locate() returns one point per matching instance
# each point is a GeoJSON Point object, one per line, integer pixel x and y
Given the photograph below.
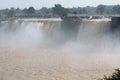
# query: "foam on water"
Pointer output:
{"type": "Point", "coordinates": [93, 35]}
{"type": "Point", "coordinates": [90, 56]}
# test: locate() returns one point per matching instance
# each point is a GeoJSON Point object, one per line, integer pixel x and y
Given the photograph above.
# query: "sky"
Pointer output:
{"type": "Point", "coordinates": [50, 3]}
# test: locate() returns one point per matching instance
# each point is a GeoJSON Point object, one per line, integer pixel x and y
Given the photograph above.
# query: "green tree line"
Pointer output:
{"type": "Point", "coordinates": [59, 10]}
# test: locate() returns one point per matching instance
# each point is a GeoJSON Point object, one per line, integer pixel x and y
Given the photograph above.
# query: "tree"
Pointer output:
{"type": "Point", "coordinates": [75, 13]}
{"type": "Point", "coordinates": [109, 10]}
{"type": "Point", "coordinates": [6, 11]}
{"type": "Point", "coordinates": [114, 76]}
{"type": "Point", "coordinates": [59, 10]}
{"type": "Point", "coordinates": [116, 9]}
{"type": "Point", "coordinates": [24, 10]}
{"type": "Point", "coordinates": [44, 10]}
{"type": "Point", "coordinates": [18, 10]}
{"type": "Point", "coordinates": [11, 12]}
{"type": "Point", "coordinates": [31, 10]}
{"type": "Point", "coordinates": [84, 10]}
{"type": "Point", "coordinates": [100, 9]}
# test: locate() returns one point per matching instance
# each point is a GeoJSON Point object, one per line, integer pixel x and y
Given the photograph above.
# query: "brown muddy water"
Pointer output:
{"type": "Point", "coordinates": [35, 51]}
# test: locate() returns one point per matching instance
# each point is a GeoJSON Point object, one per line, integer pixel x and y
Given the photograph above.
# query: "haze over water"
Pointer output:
{"type": "Point", "coordinates": [37, 50]}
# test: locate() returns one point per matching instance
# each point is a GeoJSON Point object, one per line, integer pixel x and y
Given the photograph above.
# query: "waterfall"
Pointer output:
{"type": "Point", "coordinates": [87, 34]}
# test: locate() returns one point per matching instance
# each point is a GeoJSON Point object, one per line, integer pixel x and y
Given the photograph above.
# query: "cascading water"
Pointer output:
{"type": "Point", "coordinates": [14, 33]}
{"type": "Point", "coordinates": [53, 49]}
{"type": "Point", "coordinates": [25, 33]}
{"type": "Point", "coordinates": [89, 34]}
